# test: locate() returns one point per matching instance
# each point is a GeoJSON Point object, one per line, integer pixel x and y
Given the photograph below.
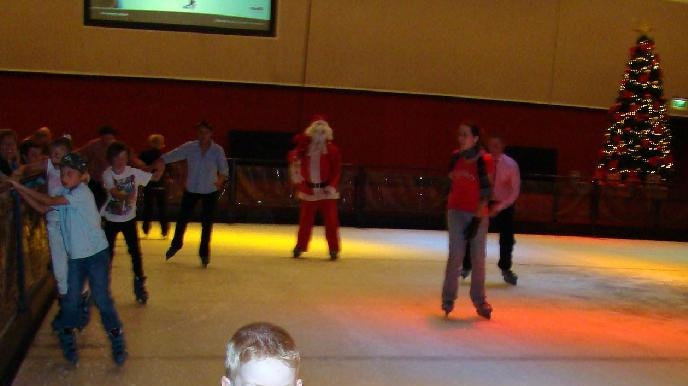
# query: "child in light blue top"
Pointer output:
{"type": "Point", "coordinates": [88, 253]}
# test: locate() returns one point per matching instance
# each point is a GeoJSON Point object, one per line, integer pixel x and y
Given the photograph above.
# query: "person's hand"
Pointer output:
{"type": "Point", "coordinates": [472, 228]}
{"type": "Point", "coordinates": [330, 190]}
{"type": "Point", "coordinates": [219, 184]}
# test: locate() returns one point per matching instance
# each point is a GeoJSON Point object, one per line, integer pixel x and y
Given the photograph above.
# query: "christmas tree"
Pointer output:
{"type": "Point", "coordinates": [638, 140]}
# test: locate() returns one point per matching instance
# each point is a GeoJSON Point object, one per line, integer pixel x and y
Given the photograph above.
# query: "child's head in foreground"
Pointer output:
{"type": "Point", "coordinates": [261, 354]}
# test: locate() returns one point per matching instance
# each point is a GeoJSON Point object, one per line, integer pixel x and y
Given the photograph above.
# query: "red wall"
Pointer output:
{"type": "Point", "coordinates": [371, 128]}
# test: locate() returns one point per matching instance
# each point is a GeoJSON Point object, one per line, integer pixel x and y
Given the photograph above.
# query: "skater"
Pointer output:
{"type": "Point", "coordinates": [507, 186]}
{"type": "Point", "coordinates": [9, 154]}
{"type": "Point", "coordinates": [121, 182]}
{"type": "Point", "coordinates": [154, 193]}
{"type": "Point", "coordinates": [261, 354]}
{"type": "Point", "coordinates": [88, 253]}
{"type": "Point", "coordinates": [315, 168]}
{"type": "Point", "coordinates": [95, 151]}
{"type": "Point", "coordinates": [207, 172]}
{"type": "Point", "coordinates": [58, 255]}
{"type": "Point", "coordinates": [471, 171]}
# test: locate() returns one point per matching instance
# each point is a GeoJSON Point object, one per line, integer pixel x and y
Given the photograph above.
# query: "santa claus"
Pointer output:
{"type": "Point", "coordinates": [315, 167]}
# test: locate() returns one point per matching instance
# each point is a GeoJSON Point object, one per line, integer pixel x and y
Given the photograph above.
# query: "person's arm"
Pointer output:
{"type": "Point", "coordinates": [39, 197]}
{"type": "Point", "coordinates": [222, 168]}
{"type": "Point", "coordinates": [32, 168]}
{"type": "Point", "coordinates": [178, 154]}
{"type": "Point", "coordinates": [157, 170]}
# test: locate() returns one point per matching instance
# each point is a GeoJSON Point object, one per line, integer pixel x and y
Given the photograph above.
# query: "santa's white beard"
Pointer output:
{"type": "Point", "coordinates": [317, 147]}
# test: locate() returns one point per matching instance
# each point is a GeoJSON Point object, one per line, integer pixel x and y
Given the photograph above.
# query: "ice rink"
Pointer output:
{"type": "Point", "coordinates": [586, 311]}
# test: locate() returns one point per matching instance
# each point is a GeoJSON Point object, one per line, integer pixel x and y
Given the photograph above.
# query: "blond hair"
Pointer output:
{"type": "Point", "coordinates": [156, 141]}
{"type": "Point", "coordinates": [260, 340]}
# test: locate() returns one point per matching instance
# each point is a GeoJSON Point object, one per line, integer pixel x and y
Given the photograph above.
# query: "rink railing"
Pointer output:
{"type": "Point", "coordinates": [260, 191]}
{"type": "Point", "coordinates": [25, 282]}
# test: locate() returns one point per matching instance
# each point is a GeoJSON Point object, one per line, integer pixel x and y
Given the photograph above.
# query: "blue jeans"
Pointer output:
{"type": "Point", "coordinates": [97, 269]}
{"type": "Point", "coordinates": [457, 222]}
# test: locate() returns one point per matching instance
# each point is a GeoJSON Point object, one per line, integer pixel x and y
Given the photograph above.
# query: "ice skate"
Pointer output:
{"type": "Point", "coordinates": [297, 252]}
{"type": "Point", "coordinates": [465, 273]}
{"type": "Point", "coordinates": [447, 307]}
{"type": "Point", "coordinates": [68, 345]}
{"type": "Point", "coordinates": [171, 252]}
{"type": "Point", "coordinates": [140, 289]}
{"type": "Point", "coordinates": [509, 276]}
{"type": "Point", "coordinates": [119, 351]}
{"type": "Point", "coordinates": [484, 310]}
{"type": "Point", "coordinates": [334, 255]}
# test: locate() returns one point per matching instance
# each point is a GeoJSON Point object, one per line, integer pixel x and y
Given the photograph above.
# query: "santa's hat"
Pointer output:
{"type": "Point", "coordinates": [319, 123]}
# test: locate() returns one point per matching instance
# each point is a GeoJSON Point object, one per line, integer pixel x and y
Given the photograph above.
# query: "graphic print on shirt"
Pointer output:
{"type": "Point", "coordinates": [122, 207]}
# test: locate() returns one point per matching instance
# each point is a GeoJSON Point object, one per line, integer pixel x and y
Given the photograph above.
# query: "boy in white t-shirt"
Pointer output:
{"type": "Point", "coordinates": [121, 182]}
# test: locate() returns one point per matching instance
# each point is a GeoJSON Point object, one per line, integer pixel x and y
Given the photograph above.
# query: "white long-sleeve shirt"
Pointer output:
{"type": "Point", "coordinates": [507, 183]}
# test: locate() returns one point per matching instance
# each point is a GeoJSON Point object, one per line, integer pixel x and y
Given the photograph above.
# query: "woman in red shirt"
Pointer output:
{"type": "Point", "coordinates": [471, 172]}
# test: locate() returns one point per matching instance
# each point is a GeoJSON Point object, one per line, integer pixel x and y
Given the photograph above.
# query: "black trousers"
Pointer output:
{"type": "Point", "coordinates": [128, 229]}
{"type": "Point", "coordinates": [99, 193]}
{"type": "Point", "coordinates": [154, 196]}
{"type": "Point", "coordinates": [503, 223]}
{"type": "Point", "coordinates": [208, 205]}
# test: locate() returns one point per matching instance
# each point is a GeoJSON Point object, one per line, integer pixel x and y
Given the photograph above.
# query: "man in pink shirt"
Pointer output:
{"type": "Point", "coordinates": [507, 186]}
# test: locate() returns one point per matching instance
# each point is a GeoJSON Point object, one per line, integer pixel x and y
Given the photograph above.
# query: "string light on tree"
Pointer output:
{"type": "Point", "coordinates": [638, 141]}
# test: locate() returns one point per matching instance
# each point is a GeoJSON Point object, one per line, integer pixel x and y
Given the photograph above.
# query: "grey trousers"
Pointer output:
{"type": "Point", "coordinates": [457, 222]}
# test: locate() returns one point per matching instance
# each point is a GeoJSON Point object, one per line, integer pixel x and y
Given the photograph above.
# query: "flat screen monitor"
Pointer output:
{"type": "Point", "coordinates": [242, 17]}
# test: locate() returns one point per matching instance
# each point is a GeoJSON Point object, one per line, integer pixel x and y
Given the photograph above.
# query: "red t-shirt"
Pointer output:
{"type": "Point", "coordinates": [465, 183]}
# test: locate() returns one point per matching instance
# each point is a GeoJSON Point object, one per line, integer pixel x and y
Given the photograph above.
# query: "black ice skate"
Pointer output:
{"type": "Point", "coordinates": [68, 345]}
{"type": "Point", "coordinates": [509, 276]}
{"type": "Point", "coordinates": [119, 350]}
{"type": "Point", "coordinates": [464, 273]}
{"type": "Point", "coordinates": [484, 310]}
{"type": "Point", "coordinates": [171, 252]}
{"type": "Point", "coordinates": [447, 307]}
{"type": "Point", "coordinates": [140, 289]}
{"type": "Point", "coordinates": [297, 252]}
{"type": "Point", "coordinates": [334, 255]}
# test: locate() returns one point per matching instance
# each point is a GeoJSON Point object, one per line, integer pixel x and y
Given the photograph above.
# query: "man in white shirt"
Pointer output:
{"type": "Point", "coordinates": [507, 185]}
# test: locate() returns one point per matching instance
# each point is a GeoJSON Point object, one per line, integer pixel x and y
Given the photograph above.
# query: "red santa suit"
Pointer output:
{"type": "Point", "coordinates": [315, 168]}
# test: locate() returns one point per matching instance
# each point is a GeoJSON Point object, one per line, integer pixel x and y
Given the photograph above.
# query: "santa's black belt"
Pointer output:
{"type": "Point", "coordinates": [314, 185]}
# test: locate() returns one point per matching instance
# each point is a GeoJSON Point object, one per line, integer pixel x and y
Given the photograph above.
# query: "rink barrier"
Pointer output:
{"type": "Point", "coordinates": [259, 191]}
{"type": "Point", "coordinates": [26, 285]}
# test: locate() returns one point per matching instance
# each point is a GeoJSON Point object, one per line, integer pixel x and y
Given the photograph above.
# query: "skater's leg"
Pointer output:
{"type": "Point", "coordinates": [186, 208]}
{"type": "Point", "coordinates": [331, 219]}
{"type": "Point", "coordinates": [467, 262]}
{"type": "Point", "coordinates": [147, 215]}
{"type": "Point", "coordinates": [306, 219]}
{"type": "Point", "coordinates": [161, 200]}
{"type": "Point", "coordinates": [209, 203]}
{"type": "Point", "coordinates": [99, 279]}
{"type": "Point", "coordinates": [77, 273]}
{"type": "Point", "coordinates": [478, 249]}
{"type": "Point", "coordinates": [505, 222]}
{"type": "Point", "coordinates": [111, 229]}
{"type": "Point", "coordinates": [58, 256]}
{"type": "Point", "coordinates": [456, 223]}
{"type": "Point", "coordinates": [131, 237]}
